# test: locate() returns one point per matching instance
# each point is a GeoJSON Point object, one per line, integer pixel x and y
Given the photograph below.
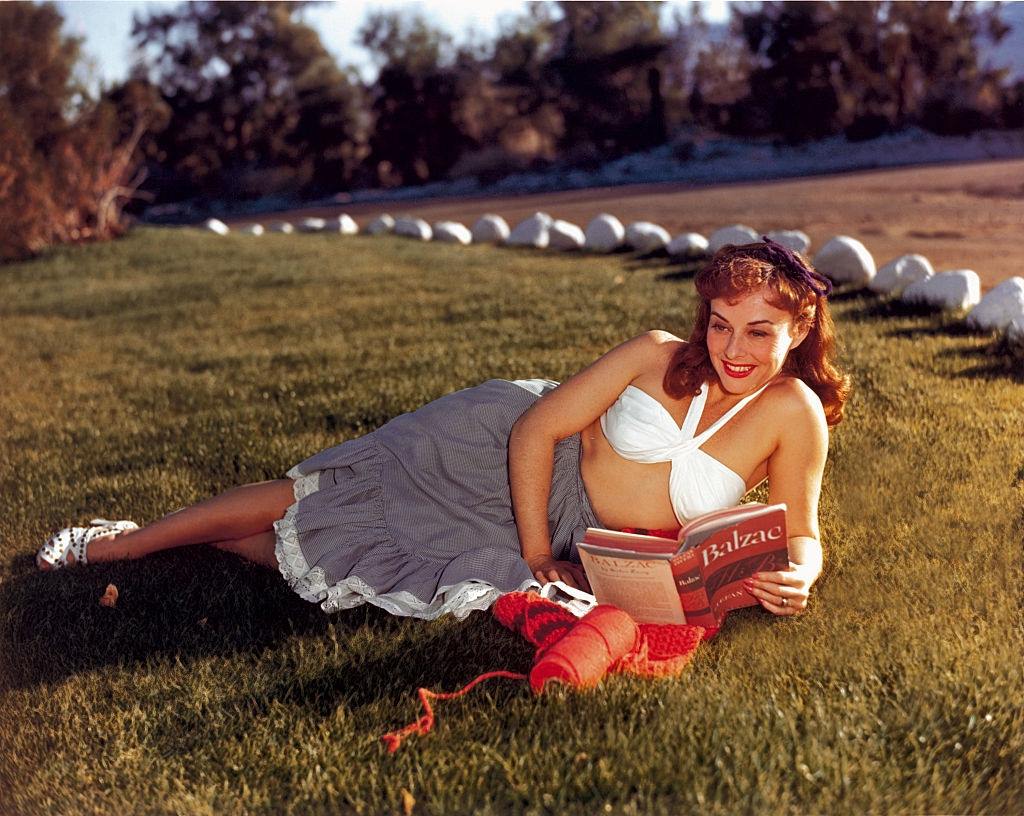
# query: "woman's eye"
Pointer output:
{"type": "Point", "coordinates": [719, 327]}
{"type": "Point", "coordinates": [759, 334]}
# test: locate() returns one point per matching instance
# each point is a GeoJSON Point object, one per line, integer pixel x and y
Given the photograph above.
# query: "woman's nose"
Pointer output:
{"type": "Point", "coordinates": [735, 346]}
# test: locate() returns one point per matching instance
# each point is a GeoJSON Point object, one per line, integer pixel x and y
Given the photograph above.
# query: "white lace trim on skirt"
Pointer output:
{"type": "Point", "coordinates": [311, 583]}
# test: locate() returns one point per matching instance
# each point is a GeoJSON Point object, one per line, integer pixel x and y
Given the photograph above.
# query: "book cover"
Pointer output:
{"type": "Point", "coordinates": [696, 579]}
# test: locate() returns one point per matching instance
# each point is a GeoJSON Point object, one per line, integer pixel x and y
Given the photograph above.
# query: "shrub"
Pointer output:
{"type": "Point", "coordinates": [72, 187]}
{"type": "Point", "coordinates": [67, 162]}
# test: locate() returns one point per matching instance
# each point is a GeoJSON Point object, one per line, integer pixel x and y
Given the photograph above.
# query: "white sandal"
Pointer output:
{"type": "Point", "coordinates": [75, 540]}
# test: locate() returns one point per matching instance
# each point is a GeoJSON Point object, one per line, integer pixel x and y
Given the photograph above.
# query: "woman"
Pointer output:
{"type": "Point", "coordinates": [486, 490]}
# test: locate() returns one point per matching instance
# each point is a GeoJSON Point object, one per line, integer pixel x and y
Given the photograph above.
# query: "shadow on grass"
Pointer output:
{"type": "Point", "coordinates": [847, 293]}
{"type": "Point", "coordinates": [439, 657]}
{"type": "Point", "coordinates": [994, 363]}
{"type": "Point", "coordinates": [186, 606]}
{"type": "Point", "coordinates": [682, 270]}
{"type": "Point", "coordinates": [675, 269]}
{"type": "Point", "coordinates": [867, 305]}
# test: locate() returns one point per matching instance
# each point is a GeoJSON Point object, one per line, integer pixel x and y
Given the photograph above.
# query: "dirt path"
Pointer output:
{"type": "Point", "coordinates": [959, 216]}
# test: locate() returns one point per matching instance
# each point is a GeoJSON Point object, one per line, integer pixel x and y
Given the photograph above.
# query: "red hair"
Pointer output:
{"type": "Point", "coordinates": [735, 271]}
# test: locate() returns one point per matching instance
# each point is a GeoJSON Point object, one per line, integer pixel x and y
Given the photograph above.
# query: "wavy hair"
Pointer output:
{"type": "Point", "coordinates": [735, 271]}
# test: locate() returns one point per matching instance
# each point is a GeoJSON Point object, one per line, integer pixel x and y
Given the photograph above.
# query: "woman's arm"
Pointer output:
{"type": "Point", "coordinates": [795, 469]}
{"type": "Point", "coordinates": [570, 408]}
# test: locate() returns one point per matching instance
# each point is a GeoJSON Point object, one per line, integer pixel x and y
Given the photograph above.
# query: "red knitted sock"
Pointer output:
{"type": "Point", "coordinates": [540, 621]}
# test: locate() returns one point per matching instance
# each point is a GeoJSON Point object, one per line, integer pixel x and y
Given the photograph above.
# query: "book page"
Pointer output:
{"type": "Point", "coordinates": [642, 587]}
{"type": "Point", "coordinates": [631, 542]}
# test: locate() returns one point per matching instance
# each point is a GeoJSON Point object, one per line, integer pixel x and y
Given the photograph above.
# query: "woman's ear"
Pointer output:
{"type": "Point", "coordinates": [799, 335]}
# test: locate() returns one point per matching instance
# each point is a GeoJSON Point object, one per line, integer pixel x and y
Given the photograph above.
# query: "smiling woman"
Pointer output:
{"type": "Point", "coordinates": [486, 490]}
{"type": "Point", "coordinates": [789, 308]}
{"type": "Point", "coordinates": [741, 340]}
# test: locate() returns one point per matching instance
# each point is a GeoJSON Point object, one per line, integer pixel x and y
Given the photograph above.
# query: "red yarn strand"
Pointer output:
{"type": "Point", "coordinates": [426, 721]}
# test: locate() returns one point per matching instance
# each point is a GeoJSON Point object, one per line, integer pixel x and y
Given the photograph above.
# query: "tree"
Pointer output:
{"type": "Point", "coordinates": [416, 135]}
{"type": "Point", "coordinates": [68, 162]}
{"type": "Point", "coordinates": [37, 67]}
{"type": "Point", "coordinates": [933, 51]}
{"type": "Point", "coordinates": [607, 61]}
{"type": "Point", "coordinates": [258, 105]}
{"type": "Point", "coordinates": [796, 84]}
{"type": "Point", "coordinates": [510, 106]}
{"type": "Point", "coordinates": [581, 81]}
{"type": "Point", "coordinates": [824, 67]}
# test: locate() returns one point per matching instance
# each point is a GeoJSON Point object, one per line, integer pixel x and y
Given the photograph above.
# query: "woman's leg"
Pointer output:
{"type": "Point", "coordinates": [238, 514]}
{"type": "Point", "coordinates": [257, 548]}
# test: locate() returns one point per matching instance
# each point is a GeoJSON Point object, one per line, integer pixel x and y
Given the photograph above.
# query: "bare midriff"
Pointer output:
{"type": "Point", "coordinates": [624, 493]}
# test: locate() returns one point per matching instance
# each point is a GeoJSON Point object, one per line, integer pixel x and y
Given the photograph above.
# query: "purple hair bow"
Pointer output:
{"type": "Point", "coordinates": [788, 261]}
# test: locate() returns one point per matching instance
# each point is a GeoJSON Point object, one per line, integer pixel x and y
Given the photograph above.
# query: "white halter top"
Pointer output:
{"type": "Point", "coordinates": [641, 429]}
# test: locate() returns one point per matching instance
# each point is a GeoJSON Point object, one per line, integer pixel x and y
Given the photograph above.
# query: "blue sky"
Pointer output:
{"type": "Point", "coordinates": [106, 24]}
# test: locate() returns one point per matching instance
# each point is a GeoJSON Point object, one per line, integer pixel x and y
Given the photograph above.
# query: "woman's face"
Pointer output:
{"type": "Point", "coordinates": [748, 340]}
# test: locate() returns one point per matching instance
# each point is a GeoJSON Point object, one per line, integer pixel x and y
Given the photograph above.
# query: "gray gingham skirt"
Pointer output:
{"type": "Point", "coordinates": [416, 517]}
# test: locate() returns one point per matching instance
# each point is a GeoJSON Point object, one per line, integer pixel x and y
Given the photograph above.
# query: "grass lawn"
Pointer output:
{"type": "Point", "coordinates": [143, 375]}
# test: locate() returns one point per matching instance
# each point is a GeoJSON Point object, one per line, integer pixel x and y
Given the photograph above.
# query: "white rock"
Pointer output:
{"type": "Point", "coordinates": [533, 232]}
{"type": "Point", "coordinates": [845, 260]}
{"type": "Point", "coordinates": [899, 273]}
{"type": "Point", "coordinates": [410, 227]}
{"type": "Point", "coordinates": [733, 234]}
{"type": "Point", "coordinates": [796, 240]}
{"type": "Point", "coordinates": [955, 289]}
{"type": "Point", "coordinates": [252, 229]}
{"type": "Point", "coordinates": [381, 225]}
{"type": "Point", "coordinates": [1000, 307]}
{"type": "Point", "coordinates": [312, 225]}
{"type": "Point", "coordinates": [688, 245]}
{"type": "Point", "coordinates": [343, 225]}
{"type": "Point", "coordinates": [565, 235]}
{"type": "Point", "coordinates": [214, 225]}
{"type": "Point", "coordinates": [281, 226]}
{"type": "Point", "coordinates": [604, 233]}
{"type": "Point", "coordinates": [645, 237]}
{"type": "Point", "coordinates": [452, 232]}
{"type": "Point", "coordinates": [490, 229]}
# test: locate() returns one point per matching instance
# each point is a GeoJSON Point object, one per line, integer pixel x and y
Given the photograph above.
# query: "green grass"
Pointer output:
{"type": "Point", "coordinates": [143, 375]}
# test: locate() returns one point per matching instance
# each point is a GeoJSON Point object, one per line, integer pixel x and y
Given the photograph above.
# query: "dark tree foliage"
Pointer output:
{"type": "Point", "coordinates": [607, 63]}
{"type": "Point", "coordinates": [578, 81]}
{"type": "Point", "coordinates": [508, 106]}
{"type": "Point", "coordinates": [866, 67]}
{"type": "Point", "coordinates": [68, 162]}
{"type": "Point", "coordinates": [416, 135]}
{"type": "Point", "coordinates": [935, 71]}
{"type": "Point", "coordinates": [258, 105]}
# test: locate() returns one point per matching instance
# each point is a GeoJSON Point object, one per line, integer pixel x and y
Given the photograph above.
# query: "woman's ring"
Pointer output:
{"type": "Point", "coordinates": [785, 602]}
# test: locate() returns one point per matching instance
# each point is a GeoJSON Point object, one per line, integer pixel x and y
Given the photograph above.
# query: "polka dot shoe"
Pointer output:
{"type": "Point", "coordinates": [75, 541]}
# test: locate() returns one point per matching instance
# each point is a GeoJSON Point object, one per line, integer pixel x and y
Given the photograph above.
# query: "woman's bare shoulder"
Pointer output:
{"type": "Point", "coordinates": [796, 405]}
{"type": "Point", "coordinates": [662, 337]}
{"type": "Point", "coordinates": [663, 341]}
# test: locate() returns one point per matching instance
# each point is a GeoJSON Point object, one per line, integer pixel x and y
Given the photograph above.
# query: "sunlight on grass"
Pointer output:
{"type": "Point", "coordinates": [145, 374]}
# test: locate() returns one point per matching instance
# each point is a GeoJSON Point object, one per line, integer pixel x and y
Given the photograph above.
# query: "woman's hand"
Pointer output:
{"type": "Point", "coordinates": [784, 592]}
{"type": "Point", "coordinates": [546, 569]}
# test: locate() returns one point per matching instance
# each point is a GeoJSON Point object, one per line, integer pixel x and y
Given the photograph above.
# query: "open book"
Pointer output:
{"type": "Point", "coordinates": [696, 578]}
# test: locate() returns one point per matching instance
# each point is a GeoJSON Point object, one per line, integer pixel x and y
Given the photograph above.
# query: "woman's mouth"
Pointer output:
{"type": "Point", "coordinates": [737, 371]}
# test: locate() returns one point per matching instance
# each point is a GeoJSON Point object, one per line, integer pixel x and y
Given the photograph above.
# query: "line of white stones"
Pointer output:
{"type": "Point", "coordinates": [844, 259]}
